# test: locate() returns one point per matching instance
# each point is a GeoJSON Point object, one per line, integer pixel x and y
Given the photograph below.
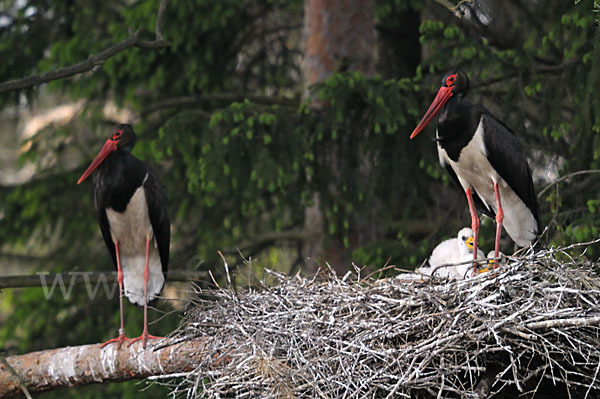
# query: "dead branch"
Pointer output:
{"type": "Point", "coordinates": [565, 177]}
{"type": "Point", "coordinates": [81, 67]}
{"type": "Point", "coordinates": [79, 278]}
{"type": "Point", "coordinates": [88, 364]}
{"type": "Point", "coordinates": [267, 239]}
{"type": "Point", "coordinates": [218, 97]}
{"type": "Point", "coordinates": [159, 16]}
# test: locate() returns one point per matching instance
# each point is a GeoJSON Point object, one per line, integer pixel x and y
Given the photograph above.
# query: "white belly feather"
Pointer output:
{"type": "Point", "coordinates": [130, 230]}
{"type": "Point", "coordinates": [474, 170]}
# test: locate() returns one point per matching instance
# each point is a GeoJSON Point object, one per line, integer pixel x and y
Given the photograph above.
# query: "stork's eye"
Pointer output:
{"type": "Point", "coordinates": [116, 135]}
{"type": "Point", "coordinates": [450, 80]}
{"type": "Point", "coordinates": [463, 238]}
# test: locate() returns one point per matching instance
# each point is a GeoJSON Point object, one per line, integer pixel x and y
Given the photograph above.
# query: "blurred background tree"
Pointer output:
{"type": "Point", "coordinates": [271, 164]}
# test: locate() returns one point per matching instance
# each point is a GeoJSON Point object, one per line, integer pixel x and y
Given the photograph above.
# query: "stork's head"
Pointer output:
{"type": "Point", "coordinates": [122, 138]}
{"type": "Point", "coordinates": [465, 237]}
{"type": "Point", "coordinates": [454, 83]}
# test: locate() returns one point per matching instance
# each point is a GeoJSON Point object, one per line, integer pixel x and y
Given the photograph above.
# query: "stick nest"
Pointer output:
{"type": "Point", "coordinates": [529, 328]}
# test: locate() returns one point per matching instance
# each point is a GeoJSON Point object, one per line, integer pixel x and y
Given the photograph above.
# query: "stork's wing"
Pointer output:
{"type": "Point", "coordinates": [159, 216]}
{"type": "Point", "coordinates": [507, 158]}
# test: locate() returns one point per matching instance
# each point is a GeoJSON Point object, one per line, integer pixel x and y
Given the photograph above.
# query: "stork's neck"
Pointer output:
{"type": "Point", "coordinates": [118, 177]}
{"type": "Point", "coordinates": [457, 123]}
{"type": "Point", "coordinates": [451, 119]}
{"type": "Point", "coordinates": [114, 169]}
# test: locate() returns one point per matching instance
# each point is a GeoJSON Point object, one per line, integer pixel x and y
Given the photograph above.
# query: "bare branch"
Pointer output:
{"type": "Point", "coordinates": [76, 69]}
{"type": "Point", "coordinates": [89, 364]}
{"type": "Point", "coordinates": [81, 67]}
{"type": "Point", "coordinates": [543, 68]}
{"type": "Point", "coordinates": [268, 239]}
{"type": "Point", "coordinates": [159, 17]}
{"type": "Point", "coordinates": [565, 177]}
{"type": "Point", "coordinates": [92, 61]}
{"type": "Point", "coordinates": [87, 278]}
{"type": "Point", "coordinates": [221, 97]}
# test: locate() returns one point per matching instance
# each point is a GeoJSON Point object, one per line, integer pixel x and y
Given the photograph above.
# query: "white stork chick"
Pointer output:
{"type": "Point", "coordinates": [450, 252]}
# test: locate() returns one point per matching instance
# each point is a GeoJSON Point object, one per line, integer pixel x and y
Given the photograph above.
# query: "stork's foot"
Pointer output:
{"type": "Point", "coordinates": [144, 337]}
{"type": "Point", "coordinates": [120, 339]}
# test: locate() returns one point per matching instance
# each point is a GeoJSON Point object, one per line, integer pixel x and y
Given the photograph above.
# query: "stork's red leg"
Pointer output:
{"type": "Point", "coordinates": [145, 336]}
{"type": "Point", "coordinates": [499, 219]}
{"type": "Point", "coordinates": [474, 226]}
{"type": "Point", "coordinates": [121, 338]}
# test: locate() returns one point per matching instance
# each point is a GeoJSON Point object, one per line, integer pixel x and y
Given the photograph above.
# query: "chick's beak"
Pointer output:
{"type": "Point", "coordinates": [469, 243]}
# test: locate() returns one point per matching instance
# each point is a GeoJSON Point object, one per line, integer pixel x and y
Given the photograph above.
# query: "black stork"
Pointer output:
{"type": "Point", "coordinates": [132, 212]}
{"type": "Point", "coordinates": [485, 158]}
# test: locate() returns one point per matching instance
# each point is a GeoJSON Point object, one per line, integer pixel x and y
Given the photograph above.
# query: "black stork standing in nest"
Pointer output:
{"type": "Point", "coordinates": [132, 211]}
{"type": "Point", "coordinates": [485, 158]}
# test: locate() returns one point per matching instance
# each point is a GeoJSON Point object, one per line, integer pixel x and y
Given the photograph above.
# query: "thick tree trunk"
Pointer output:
{"type": "Point", "coordinates": [89, 364]}
{"type": "Point", "coordinates": [339, 35]}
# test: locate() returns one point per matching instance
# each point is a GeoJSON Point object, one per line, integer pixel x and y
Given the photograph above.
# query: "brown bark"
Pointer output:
{"type": "Point", "coordinates": [89, 364]}
{"type": "Point", "coordinates": [339, 36]}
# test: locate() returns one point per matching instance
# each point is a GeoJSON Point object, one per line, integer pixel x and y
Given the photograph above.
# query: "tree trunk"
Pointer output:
{"type": "Point", "coordinates": [339, 36]}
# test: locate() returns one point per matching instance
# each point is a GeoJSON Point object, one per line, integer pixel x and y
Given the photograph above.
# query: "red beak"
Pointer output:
{"type": "Point", "coordinates": [442, 97]}
{"type": "Point", "coordinates": [107, 149]}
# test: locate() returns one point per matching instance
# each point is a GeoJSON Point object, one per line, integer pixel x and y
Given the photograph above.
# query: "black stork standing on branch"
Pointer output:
{"type": "Point", "coordinates": [484, 157]}
{"type": "Point", "coordinates": [132, 211]}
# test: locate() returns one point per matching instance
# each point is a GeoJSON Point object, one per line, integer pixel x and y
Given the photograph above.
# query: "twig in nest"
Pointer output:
{"type": "Point", "coordinates": [226, 268]}
{"type": "Point", "coordinates": [16, 376]}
